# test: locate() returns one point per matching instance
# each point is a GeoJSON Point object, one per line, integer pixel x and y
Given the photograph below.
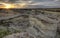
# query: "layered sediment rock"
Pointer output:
{"type": "Point", "coordinates": [41, 25]}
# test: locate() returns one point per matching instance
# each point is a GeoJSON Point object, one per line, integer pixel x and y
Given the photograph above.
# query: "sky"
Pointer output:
{"type": "Point", "coordinates": [37, 3]}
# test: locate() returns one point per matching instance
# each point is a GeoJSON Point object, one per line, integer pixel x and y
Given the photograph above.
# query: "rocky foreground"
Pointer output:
{"type": "Point", "coordinates": [29, 24]}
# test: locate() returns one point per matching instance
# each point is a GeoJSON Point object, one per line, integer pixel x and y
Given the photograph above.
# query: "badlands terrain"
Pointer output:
{"type": "Point", "coordinates": [30, 23]}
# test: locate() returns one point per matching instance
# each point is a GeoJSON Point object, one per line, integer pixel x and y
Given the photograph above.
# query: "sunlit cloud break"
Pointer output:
{"type": "Point", "coordinates": [34, 3]}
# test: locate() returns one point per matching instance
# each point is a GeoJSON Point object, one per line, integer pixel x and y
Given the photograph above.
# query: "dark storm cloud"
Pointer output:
{"type": "Point", "coordinates": [13, 1]}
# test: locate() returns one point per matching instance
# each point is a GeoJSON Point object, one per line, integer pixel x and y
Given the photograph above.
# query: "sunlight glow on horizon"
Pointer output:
{"type": "Point", "coordinates": [8, 5]}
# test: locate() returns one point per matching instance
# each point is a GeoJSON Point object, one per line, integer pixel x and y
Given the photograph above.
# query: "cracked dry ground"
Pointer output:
{"type": "Point", "coordinates": [29, 24]}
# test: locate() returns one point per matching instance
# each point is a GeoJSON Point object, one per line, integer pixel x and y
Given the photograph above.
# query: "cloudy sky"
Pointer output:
{"type": "Point", "coordinates": [37, 3]}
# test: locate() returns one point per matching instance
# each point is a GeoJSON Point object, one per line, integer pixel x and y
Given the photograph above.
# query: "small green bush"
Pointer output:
{"type": "Point", "coordinates": [4, 33]}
